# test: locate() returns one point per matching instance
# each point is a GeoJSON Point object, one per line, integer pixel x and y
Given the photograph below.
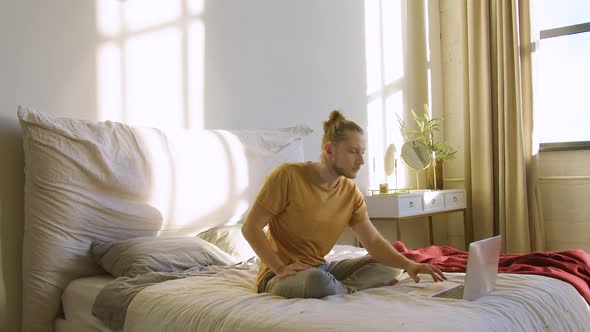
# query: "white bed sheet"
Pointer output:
{"type": "Point", "coordinates": [80, 294]}
{"type": "Point", "coordinates": [77, 301]}
{"type": "Point", "coordinates": [227, 302]}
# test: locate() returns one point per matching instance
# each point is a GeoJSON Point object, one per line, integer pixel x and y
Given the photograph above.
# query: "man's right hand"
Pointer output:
{"type": "Point", "coordinates": [291, 269]}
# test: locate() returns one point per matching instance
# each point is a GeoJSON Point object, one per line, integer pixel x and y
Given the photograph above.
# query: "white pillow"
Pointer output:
{"type": "Point", "coordinates": [108, 181]}
{"type": "Point", "coordinates": [230, 239]}
{"type": "Point", "coordinates": [140, 255]}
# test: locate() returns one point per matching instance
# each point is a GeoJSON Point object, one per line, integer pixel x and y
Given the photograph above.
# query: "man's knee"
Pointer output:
{"type": "Point", "coordinates": [310, 283]}
{"type": "Point", "coordinates": [319, 283]}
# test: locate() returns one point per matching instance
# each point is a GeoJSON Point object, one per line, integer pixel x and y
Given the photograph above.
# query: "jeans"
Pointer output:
{"type": "Point", "coordinates": [340, 277]}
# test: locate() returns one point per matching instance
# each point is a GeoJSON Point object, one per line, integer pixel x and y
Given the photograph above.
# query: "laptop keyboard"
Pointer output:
{"type": "Point", "coordinates": [453, 293]}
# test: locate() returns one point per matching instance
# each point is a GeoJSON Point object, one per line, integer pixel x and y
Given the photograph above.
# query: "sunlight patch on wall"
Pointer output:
{"type": "Point", "coordinates": [196, 7]}
{"type": "Point", "coordinates": [109, 74]}
{"type": "Point", "coordinates": [109, 83]}
{"type": "Point", "coordinates": [153, 71]}
{"type": "Point", "coordinates": [108, 17]}
{"type": "Point", "coordinates": [196, 74]}
{"type": "Point", "coordinates": [150, 68]}
{"type": "Point", "coordinates": [142, 14]}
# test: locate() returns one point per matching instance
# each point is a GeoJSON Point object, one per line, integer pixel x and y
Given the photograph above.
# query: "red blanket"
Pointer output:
{"type": "Point", "coordinates": [572, 266]}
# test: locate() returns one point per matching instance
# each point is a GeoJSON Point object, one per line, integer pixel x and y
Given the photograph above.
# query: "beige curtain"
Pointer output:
{"type": "Point", "coordinates": [527, 43]}
{"type": "Point", "coordinates": [499, 167]}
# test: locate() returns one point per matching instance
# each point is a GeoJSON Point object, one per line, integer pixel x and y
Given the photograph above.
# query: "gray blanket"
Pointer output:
{"type": "Point", "coordinates": [110, 305]}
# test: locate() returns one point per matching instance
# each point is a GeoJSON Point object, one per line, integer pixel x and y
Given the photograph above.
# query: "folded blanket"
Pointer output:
{"type": "Point", "coordinates": [572, 266]}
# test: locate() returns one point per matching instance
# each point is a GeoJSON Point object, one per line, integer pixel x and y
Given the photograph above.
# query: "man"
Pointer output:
{"type": "Point", "coordinates": [307, 206]}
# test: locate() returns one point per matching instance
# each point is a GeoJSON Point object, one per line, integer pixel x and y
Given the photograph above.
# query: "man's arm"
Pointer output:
{"type": "Point", "coordinates": [386, 254]}
{"type": "Point", "coordinates": [257, 218]}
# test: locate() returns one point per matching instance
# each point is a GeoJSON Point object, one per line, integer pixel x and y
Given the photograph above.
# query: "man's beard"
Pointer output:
{"type": "Point", "coordinates": [341, 172]}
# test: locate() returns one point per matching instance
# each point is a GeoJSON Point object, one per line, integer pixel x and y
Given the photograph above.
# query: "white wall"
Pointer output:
{"type": "Point", "coordinates": [267, 63]}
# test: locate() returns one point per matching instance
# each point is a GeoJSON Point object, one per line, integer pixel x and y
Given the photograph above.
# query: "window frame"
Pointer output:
{"type": "Point", "coordinates": [565, 30]}
{"type": "Point", "coordinates": [557, 32]}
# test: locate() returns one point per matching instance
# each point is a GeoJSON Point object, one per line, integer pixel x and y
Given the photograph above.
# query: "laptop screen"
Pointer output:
{"type": "Point", "coordinates": [482, 267]}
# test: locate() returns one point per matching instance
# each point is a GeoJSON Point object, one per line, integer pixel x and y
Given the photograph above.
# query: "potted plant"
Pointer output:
{"type": "Point", "coordinates": [423, 131]}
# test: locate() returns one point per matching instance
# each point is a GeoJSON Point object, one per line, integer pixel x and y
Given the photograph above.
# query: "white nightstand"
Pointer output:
{"type": "Point", "coordinates": [418, 204]}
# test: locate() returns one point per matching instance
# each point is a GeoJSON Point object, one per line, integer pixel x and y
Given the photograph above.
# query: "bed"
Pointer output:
{"type": "Point", "coordinates": [93, 188]}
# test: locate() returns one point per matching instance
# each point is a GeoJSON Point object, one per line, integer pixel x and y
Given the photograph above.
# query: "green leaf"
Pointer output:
{"type": "Point", "coordinates": [424, 130]}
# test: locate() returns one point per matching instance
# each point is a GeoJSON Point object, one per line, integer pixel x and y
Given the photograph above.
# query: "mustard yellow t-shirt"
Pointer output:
{"type": "Point", "coordinates": [308, 218]}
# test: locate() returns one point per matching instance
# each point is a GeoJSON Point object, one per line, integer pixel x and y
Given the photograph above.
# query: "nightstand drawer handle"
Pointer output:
{"type": "Point", "coordinates": [434, 201]}
{"type": "Point", "coordinates": [411, 204]}
{"type": "Point", "coordinates": [454, 198]}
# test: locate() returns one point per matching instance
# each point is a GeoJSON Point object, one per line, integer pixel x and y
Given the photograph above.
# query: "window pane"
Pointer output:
{"type": "Point", "coordinates": [395, 108]}
{"type": "Point", "coordinates": [393, 50]}
{"type": "Point", "coordinates": [373, 46]}
{"type": "Point", "coordinates": [549, 14]}
{"type": "Point", "coordinates": [562, 111]}
{"type": "Point", "coordinates": [376, 146]}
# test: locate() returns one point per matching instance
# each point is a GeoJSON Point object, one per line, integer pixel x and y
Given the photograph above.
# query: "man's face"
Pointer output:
{"type": "Point", "coordinates": [348, 155]}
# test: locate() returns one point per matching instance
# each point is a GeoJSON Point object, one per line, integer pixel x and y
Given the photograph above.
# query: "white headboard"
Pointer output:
{"type": "Point", "coordinates": [109, 181]}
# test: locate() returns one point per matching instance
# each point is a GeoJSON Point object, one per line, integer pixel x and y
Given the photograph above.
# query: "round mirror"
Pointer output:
{"type": "Point", "coordinates": [389, 160]}
{"type": "Point", "coordinates": [416, 155]}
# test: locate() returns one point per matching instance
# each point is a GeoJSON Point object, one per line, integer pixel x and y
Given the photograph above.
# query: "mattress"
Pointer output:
{"type": "Point", "coordinates": [77, 301]}
{"type": "Point", "coordinates": [228, 302]}
{"type": "Point", "coordinates": [80, 294]}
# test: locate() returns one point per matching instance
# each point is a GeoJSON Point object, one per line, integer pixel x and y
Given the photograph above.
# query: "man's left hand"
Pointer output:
{"type": "Point", "coordinates": [421, 268]}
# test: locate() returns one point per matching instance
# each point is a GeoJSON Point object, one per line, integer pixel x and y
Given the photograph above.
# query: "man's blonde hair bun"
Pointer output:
{"type": "Point", "coordinates": [335, 117]}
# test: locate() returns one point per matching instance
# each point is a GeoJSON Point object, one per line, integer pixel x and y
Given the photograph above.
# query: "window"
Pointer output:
{"type": "Point", "coordinates": [561, 71]}
{"type": "Point", "coordinates": [397, 47]}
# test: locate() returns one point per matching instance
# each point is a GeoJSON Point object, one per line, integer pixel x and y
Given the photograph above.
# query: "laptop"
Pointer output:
{"type": "Point", "coordinates": [480, 277]}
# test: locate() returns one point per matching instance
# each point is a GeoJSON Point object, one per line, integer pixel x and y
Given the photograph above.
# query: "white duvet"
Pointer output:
{"type": "Point", "coordinates": [228, 302]}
